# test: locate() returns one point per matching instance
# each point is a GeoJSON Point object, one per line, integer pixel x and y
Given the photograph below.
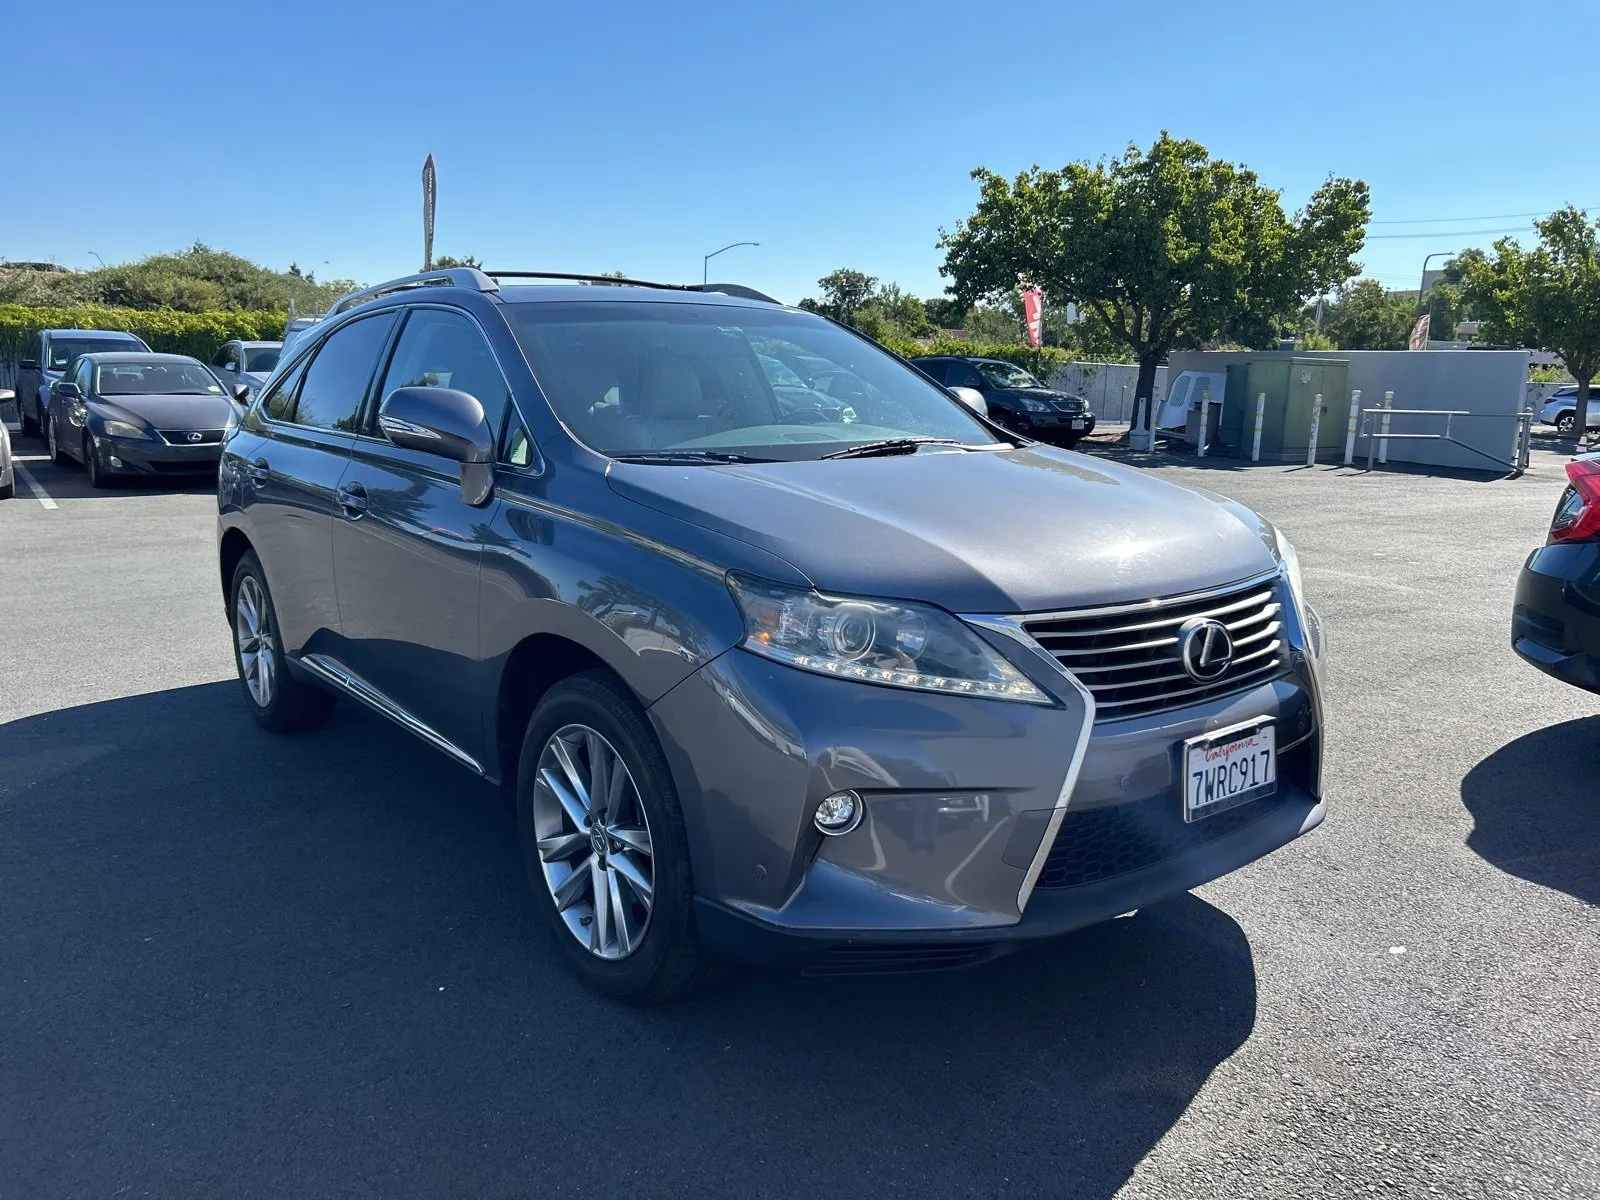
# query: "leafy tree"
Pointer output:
{"type": "Point", "coordinates": [1162, 249]}
{"type": "Point", "coordinates": [945, 312]}
{"type": "Point", "coordinates": [843, 292]}
{"type": "Point", "coordinates": [1547, 297]}
{"type": "Point", "coordinates": [445, 261]}
{"type": "Point", "coordinates": [1365, 317]}
{"type": "Point", "coordinates": [1445, 310]}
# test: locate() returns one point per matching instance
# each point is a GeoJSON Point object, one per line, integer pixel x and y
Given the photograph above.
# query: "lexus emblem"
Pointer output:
{"type": "Point", "coordinates": [195, 437]}
{"type": "Point", "coordinates": [1206, 649]}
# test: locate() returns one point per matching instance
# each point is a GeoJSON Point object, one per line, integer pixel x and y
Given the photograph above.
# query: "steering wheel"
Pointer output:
{"type": "Point", "coordinates": [807, 416]}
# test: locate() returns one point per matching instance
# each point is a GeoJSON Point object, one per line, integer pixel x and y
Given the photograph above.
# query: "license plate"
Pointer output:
{"type": "Point", "coordinates": [1224, 770]}
{"type": "Point", "coordinates": [1077, 422]}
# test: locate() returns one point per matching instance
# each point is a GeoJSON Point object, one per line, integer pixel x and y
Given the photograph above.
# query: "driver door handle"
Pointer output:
{"type": "Point", "coordinates": [258, 471]}
{"type": "Point", "coordinates": [353, 499]}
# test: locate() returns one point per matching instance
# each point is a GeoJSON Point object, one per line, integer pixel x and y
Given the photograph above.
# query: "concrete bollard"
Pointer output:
{"type": "Point", "coordinates": [1316, 428]}
{"type": "Point", "coordinates": [1383, 429]}
{"type": "Point", "coordinates": [1350, 429]}
{"type": "Point", "coordinates": [1205, 423]}
{"type": "Point", "coordinates": [1261, 416]}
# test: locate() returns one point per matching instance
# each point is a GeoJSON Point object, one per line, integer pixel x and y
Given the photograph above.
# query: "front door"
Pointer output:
{"type": "Point", "coordinates": [408, 549]}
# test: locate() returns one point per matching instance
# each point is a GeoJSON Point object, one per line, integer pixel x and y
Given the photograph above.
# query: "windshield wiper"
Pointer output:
{"type": "Point", "coordinates": [680, 457]}
{"type": "Point", "coordinates": [905, 445]}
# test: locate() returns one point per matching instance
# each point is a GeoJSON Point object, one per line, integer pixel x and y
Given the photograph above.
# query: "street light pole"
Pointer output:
{"type": "Point", "coordinates": [1422, 287]}
{"type": "Point", "coordinates": [97, 259]}
{"type": "Point", "coordinates": [705, 267]}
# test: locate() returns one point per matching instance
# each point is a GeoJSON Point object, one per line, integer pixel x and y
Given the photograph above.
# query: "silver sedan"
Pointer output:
{"type": "Point", "coordinates": [8, 479]}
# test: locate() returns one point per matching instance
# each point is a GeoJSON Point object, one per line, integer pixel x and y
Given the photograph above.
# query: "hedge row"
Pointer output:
{"type": "Point", "coordinates": [165, 329]}
{"type": "Point", "coordinates": [1041, 361]}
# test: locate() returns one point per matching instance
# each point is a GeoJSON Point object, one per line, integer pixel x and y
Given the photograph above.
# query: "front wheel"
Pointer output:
{"type": "Point", "coordinates": [91, 463]}
{"type": "Point", "coordinates": [53, 448]}
{"type": "Point", "coordinates": [604, 845]}
{"type": "Point", "coordinates": [276, 699]}
{"type": "Point", "coordinates": [1564, 423]}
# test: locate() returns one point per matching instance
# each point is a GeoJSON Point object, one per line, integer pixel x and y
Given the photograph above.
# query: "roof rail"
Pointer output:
{"type": "Point", "coordinates": [610, 279]}
{"type": "Point", "coordinates": [734, 289]}
{"type": "Point", "coordinates": [467, 277]}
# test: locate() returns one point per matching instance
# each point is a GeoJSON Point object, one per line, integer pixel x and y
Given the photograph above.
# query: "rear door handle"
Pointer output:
{"type": "Point", "coordinates": [258, 471]}
{"type": "Point", "coordinates": [353, 499]}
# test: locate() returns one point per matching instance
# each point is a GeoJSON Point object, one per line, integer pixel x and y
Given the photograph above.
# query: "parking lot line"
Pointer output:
{"type": "Point", "coordinates": [33, 486]}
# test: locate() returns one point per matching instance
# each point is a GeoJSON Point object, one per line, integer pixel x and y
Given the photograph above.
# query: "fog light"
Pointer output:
{"type": "Point", "coordinates": [839, 814]}
{"type": "Point", "coordinates": [115, 461]}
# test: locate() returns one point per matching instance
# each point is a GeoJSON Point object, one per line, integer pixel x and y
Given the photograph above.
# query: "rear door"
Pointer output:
{"type": "Point", "coordinates": [290, 455]}
{"type": "Point", "coordinates": [407, 548]}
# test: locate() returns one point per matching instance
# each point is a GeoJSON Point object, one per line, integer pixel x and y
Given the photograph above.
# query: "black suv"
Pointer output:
{"type": "Point", "coordinates": [1016, 399]}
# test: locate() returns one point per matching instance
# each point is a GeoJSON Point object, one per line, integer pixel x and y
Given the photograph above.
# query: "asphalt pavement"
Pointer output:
{"type": "Point", "coordinates": [239, 965]}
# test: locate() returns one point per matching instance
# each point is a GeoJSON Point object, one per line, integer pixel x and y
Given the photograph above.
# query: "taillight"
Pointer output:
{"type": "Point", "coordinates": [1578, 516]}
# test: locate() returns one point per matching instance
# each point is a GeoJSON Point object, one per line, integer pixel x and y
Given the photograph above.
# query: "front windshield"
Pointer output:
{"type": "Point", "coordinates": [1007, 375]}
{"type": "Point", "coordinates": [155, 379]}
{"type": "Point", "coordinates": [632, 377]}
{"type": "Point", "coordinates": [64, 350]}
{"type": "Point", "coordinates": [261, 360]}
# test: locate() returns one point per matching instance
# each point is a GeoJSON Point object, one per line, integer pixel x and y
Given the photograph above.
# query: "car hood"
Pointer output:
{"type": "Point", "coordinates": [1025, 530]}
{"type": "Point", "coordinates": [254, 378]}
{"type": "Point", "coordinates": [171, 412]}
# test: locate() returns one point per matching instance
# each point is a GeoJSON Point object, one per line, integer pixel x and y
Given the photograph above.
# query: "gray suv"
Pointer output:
{"type": "Point", "coordinates": [761, 683]}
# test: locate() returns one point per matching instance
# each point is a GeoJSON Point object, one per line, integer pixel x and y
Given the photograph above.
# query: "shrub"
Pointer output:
{"type": "Point", "coordinates": [1040, 360]}
{"type": "Point", "coordinates": [165, 329]}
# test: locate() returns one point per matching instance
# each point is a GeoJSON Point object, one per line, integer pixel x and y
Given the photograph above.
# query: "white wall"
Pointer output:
{"type": "Point", "coordinates": [1489, 384]}
{"type": "Point", "coordinates": [1108, 387]}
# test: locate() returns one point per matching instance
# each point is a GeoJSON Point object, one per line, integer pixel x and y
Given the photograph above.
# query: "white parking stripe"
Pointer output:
{"type": "Point", "coordinates": [33, 485]}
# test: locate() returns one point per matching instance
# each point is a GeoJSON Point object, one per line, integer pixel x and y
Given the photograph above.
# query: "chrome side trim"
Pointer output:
{"type": "Point", "coordinates": [1145, 606]}
{"type": "Point", "coordinates": [347, 681]}
{"type": "Point", "coordinates": [1012, 629]}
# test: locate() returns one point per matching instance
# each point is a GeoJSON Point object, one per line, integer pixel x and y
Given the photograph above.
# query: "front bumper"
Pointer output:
{"type": "Point", "coordinates": [1555, 624]}
{"type": "Point", "coordinates": [149, 456]}
{"type": "Point", "coordinates": [1059, 423]}
{"type": "Point", "coordinates": [950, 864]}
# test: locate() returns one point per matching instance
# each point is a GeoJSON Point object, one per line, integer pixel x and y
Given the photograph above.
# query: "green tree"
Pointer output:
{"type": "Point", "coordinates": [1547, 297]}
{"type": "Point", "coordinates": [843, 292]}
{"type": "Point", "coordinates": [445, 260]}
{"type": "Point", "coordinates": [945, 312]}
{"type": "Point", "coordinates": [1162, 249]}
{"type": "Point", "coordinates": [1365, 317]}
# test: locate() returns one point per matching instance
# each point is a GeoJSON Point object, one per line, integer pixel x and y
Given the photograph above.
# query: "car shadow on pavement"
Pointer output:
{"type": "Point", "coordinates": [1536, 804]}
{"type": "Point", "coordinates": [240, 964]}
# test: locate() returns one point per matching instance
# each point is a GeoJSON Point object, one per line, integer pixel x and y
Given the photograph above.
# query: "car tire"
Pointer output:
{"type": "Point", "coordinates": [98, 479]}
{"type": "Point", "coordinates": [667, 960]}
{"type": "Point", "coordinates": [30, 426]}
{"type": "Point", "coordinates": [8, 490]}
{"type": "Point", "coordinates": [1564, 422]}
{"type": "Point", "coordinates": [52, 446]}
{"type": "Point", "coordinates": [276, 699]}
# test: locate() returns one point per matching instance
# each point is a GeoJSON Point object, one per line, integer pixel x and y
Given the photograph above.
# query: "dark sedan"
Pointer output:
{"type": "Point", "coordinates": [130, 414]}
{"type": "Point", "coordinates": [1015, 398]}
{"type": "Point", "coordinates": [1556, 622]}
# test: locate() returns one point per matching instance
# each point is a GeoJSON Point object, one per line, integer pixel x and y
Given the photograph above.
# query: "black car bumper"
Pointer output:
{"type": "Point", "coordinates": [1556, 622]}
{"type": "Point", "coordinates": [1050, 913]}
{"type": "Point", "coordinates": [122, 456]}
{"type": "Point", "coordinates": [1063, 425]}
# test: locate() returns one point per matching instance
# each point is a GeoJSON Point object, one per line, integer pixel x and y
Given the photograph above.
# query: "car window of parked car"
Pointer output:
{"type": "Point", "coordinates": [279, 402]}
{"type": "Point", "coordinates": [155, 379]}
{"type": "Point", "coordinates": [519, 446]}
{"type": "Point", "coordinates": [336, 382]}
{"type": "Point", "coordinates": [960, 374]}
{"type": "Point", "coordinates": [446, 349]}
{"type": "Point", "coordinates": [223, 356]}
{"type": "Point", "coordinates": [259, 360]}
{"type": "Point", "coordinates": [64, 350]}
{"type": "Point", "coordinates": [80, 375]}
{"type": "Point", "coordinates": [931, 367]}
{"type": "Point", "coordinates": [631, 377]}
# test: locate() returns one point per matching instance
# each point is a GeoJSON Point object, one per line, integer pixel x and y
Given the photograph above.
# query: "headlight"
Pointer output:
{"type": "Point", "coordinates": [1309, 621]}
{"type": "Point", "coordinates": [1035, 406]}
{"type": "Point", "coordinates": [121, 429]}
{"type": "Point", "coordinates": [875, 641]}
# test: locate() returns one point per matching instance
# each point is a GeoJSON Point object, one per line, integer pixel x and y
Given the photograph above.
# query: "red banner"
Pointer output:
{"type": "Point", "coordinates": [1033, 312]}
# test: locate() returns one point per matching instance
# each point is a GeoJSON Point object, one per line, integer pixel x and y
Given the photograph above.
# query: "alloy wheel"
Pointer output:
{"type": "Point", "coordinates": [252, 628]}
{"type": "Point", "coordinates": [594, 842]}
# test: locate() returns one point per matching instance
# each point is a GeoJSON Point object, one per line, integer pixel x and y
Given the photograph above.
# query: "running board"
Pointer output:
{"type": "Point", "coordinates": [351, 684]}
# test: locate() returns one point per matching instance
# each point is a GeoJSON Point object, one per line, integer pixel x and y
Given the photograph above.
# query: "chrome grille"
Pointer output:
{"type": "Point", "coordinates": [1128, 656]}
{"type": "Point", "coordinates": [180, 437]}
{"type": "Point", "coordinates": [1068, 406]}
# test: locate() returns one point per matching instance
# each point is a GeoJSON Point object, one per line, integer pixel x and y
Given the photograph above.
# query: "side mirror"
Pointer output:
{"type": "Point", "coordinates": [451, 424]}
{"type": "Point", "coordinates": [973, 399]}
{"type": "Point", "coordinates": [28, 364]}
{"type": "Point", "coordinates": [241, 393]}
{"type": "Point", "coordinates": [66, 390]}
{"type": "Point", "coordinates": [230, 366]}
{"type": "Point", "coordinates": [7, 395]}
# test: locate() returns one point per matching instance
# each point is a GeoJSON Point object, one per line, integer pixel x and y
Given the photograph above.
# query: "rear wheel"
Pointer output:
{"type": "Point", "coordinates": [1564, 422]}
{"type": "Point", "coordinates": [604, 845]}
{"type": "Point", "coordinates": [276, 699]}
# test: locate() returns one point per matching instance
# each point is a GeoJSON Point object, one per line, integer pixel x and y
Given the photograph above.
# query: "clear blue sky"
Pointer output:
{"type": "Point", "coordinates": [638, 136]}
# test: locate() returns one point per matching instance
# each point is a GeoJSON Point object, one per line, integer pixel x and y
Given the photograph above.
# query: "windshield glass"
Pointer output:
{"type": "Point", "coordinates": [260, 360]}
{"type": "Point", "coordinates": [1007, 375]}
{"type": "Point", "coordinates": [64, 350]}
{"type": "Point", "coordinates": [155, 379]}
{"type": "Point", "coordinates": [639, 377]}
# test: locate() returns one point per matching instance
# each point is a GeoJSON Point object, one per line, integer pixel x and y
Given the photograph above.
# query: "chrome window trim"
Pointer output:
{"type": "Point", "coordinates": [1011, 628]}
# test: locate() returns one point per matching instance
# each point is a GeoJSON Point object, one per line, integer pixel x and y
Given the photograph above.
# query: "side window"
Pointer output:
{"type": "Point", "coordinates": [336, 382]}
{"type": "Point", "coordinates": [220, 357]}
{"type": "Point", "coordinates": [81, 375]}
{"type": "Point", "coordinates": [279, 403]}
{"type": "Point", "coordinates": [934, 370]}
{"type": "Point", "coordinates": [962, 374]}
{"type": "Point", "coordinates": [519, 446]}
{"type": "Point", "coordinates": [445, 349]}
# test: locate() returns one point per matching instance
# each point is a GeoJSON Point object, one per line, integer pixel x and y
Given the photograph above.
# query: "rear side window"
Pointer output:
{"type": "Point", "coordinates": [445, 349]}
{"type": "Point", "coordinates": [279, 403]}
{"type": "Point", "coordinates": [336, 382]}
{"type": "Point", "coordinates": [932, 369]}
